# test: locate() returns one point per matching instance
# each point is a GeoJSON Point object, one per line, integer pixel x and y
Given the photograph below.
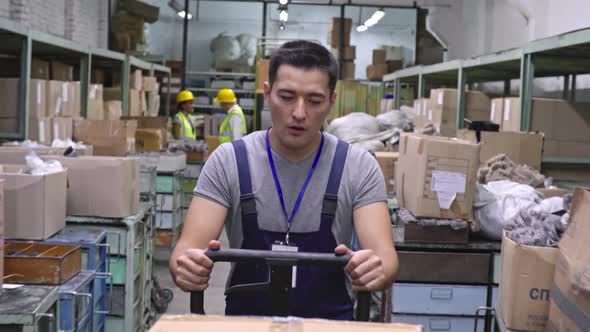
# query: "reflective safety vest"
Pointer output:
{"type": "Point", "coordinates": [225, 134]}
{"type": "Point", "coordinates": [186, 126]}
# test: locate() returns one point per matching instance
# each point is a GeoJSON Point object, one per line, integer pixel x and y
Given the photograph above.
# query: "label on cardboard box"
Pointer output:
{"type": "Point", "coordinates": [93, 92]}
{"type": "Point", "coordinates": [424, 106]}
{"type": "Point", "coordinates": [56, 130]}
{"type": "Point", "coordinates": [506, 109]}
{"type": "Point", "coordinates": [440, 98]}
{"type": "Point", "coordinates": [57, 108]}
{"type": "Point", "coordinates": [447, 185]}
{"type": "Point", "coordinates": [64, 89]}
{"type": "Point", "coordinates": [418, 109]}
{"type": "Point", "coordinates": [429, 115]}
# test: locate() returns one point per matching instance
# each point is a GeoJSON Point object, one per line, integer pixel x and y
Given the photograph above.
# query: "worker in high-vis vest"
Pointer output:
{"type": "Point", "coordinates": [233, 126]}
{"type": "Point", "coordinates": [183, 126]}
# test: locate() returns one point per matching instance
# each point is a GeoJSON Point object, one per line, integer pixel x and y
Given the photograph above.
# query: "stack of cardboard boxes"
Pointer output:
{"type": "Point", "coordinates": [53, 103]}
{"type": "Point", "coordinates": [142, 89]}
{"type": "Point", "coordinates": [385, 60]}
{"type": "Point", "coordinates": [349, 52]}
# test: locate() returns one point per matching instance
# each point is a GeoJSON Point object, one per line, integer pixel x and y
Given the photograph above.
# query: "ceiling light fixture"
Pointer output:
{"type": "Point", "coordinates": [374, 19]}
{"type": "Point", "coordinates": [362, 28]}
{"type": "Point", "coordinates": [181, 14]}
{"type": "Point", "coordinates": [282, 26]}
{"type": "Point", "coordinates": [283, 2]}
{"type": "Point", "coordinates": [284, 15]}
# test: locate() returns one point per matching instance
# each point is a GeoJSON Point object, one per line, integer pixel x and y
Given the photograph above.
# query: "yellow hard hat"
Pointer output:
{"type": "Point", "coordinates": [183, 96]}
{"type": "Point", "coordinates": [225, 96]}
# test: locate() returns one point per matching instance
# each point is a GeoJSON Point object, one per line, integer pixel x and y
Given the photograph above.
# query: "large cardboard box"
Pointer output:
{"type": "Point", "coordinates": [148, 140]}
{"type": "Point", "coordinates": [15, 155]}
{"type": "Point", "coordinates": [443, 103]}
{"type": "Point", "coordinates": [108, 137]}
{"type": "Point", "coordinates": [348, 68]}
{"type": "Point", "coordinates": [9, 90]}
{"type": "Point", "coordinates": [169, 323]}
{"type": "Point", "coordinates": [394, 65]}
{"type": "Point", "coordinates": [37, 98]}
{"type": "Point", "coordinates": [155, 107]}
{"type": "Point", "coordinates": [113, 110]}
{"type": "Point", "coordinates": [393, 53]}
{"type": "Point", "coordinates": [114, 183]}
{"type": "Point", "coordinates": [149, 83]}
{"type": "Point", "coordinates": [136, 80]}
{"type": "Point", "coordinates": [95, 109]}
{"type": "Point", "coordinates": [387, 161]}
{"type": "Point", "coordinates": [40, 130]}
{"type": "Point", "coordinates": [436, 176]}
{"type": "Point", "coordinates": [76, 104]}
{"type": "Point", "coordinates": [376, 72]}
{"type": "Point", "coordinates": [61, 72]}
{"type": "Point", "coordinates": [212, 143]}
{"type": "Point", "coordinates": [497, 111]}
{"type": "Point", "coordinates": [134, 102]}
{"type": "Point", "coordinates": [143, 106]}
{"type": "Point", "coordinates": [511, 114]}
{"type": "Point", "coordinates": [477, 106]}
{"type": "Point", "coordinates": [348, 54]}
{"type": "Point", "coordinates": [570, 295]}
{"type": "Point", "coordinates": [522, 148]}
{"type": "Point", "coordinates": [379, 56]}
{"type": "Point", "coordinates": [113, 93]}
{"type": "Point", "coordinates": [60, 100]}
{"type": "Point", "coordinates": [9, 125]}
{"type": "Point", "coordinates": [39, 69]}
{"type": "Point", "coordinates": [62, 128]}
{"type": "Point", "coordinates": [423, 113]}
{"type": "Point", "coordinates": [159, 123]}
{"type": "Point", "coordinates": [35, 204]}
{"type": "Point", "coordinates": [527, 276]}
{"type": "Point", "coordinates": [334, 35]}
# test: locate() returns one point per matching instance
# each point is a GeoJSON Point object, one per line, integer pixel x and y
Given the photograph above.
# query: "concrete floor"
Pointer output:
{"type": "Point", "coordinates": [214, 298]}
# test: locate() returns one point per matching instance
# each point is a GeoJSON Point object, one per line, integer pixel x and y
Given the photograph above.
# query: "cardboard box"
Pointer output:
{"type": "Point", "coordinates": [149, 83]}
{"type": "Point", "coordinates": [570, 295]}
{"type": "Point", "coordinates": [113, 110]}
{"type": "Point", "coordinates": [376, 72]}
{"type": "Point", "coordinates": [40, 130]}
{"type": "Point", "coordinates": [1, 231]}
{"type": "Point", "coordinates": [136, 80]}
{"type": "Point", "coordinates": [148, 140]}
{"type": "Point", "coordinates": [262, 72]}
{"type": "Point", "coordinates": [155, 107]}
{"type": "Point", "coordinates": [35, 204]}
{"type": "Point", "coordinates": [477, 106]}
{"type": "Point", "coordinates": [387, 161]}
{"type": "Point", "coordinates": [568, 149]}
{"type": "Point", "coordinates": [38, 98]}
{"type": "Point", "coordinates": [212, 143]}
{"type": "Point", "coordinates": [561, 120]}
{"type": "Point", "coordinates": [348, 69]}
{"type": "Point", "coordinates": [511, 114]}
{"type": "Point", "coordinates": [9, 91]}
{"type": "Point", "coordinates": [379, 57]}
{"type": "Point", "coordinates": [62, 128]}
{"type": "Point", "coordinates": [95, 109]}
{"type": "Point", "coordinates": [522, 148]}
{"type": "Point", "coordinates": [159, 123]}
{"type": "Point", "coordinates": [107, 137]}
{"type": "Point", "coordinates": [443, 103]}
{"type": "Point", "coordinates": [394, 65]}
{"type": "Point", "coordinates": [113, 93]}
{"type": "Point", "coordinates": [39, 69]}
{"type": "Point", "coordinates": [348, 54]}
{"type": "Point", "coordinates": [97, 76]}
{"type": "Point", "coordinates": [436, 176]}
{"type": "Point", "coordinates": [527, 276]}
{"type": "Point", "coordinates": [77, 103]}
{"type": "Point", "coordinates": [9, 125]}
{"type": "Point", "coordinates": [15, 155]}
{"type": "Point", "coordinates": [393, 53]}
{"type": "Point", "coordinates": [334, 35]}
{"type": "Point", "coordinates": [134, 102]}
{"type": "Point", "coordinates": [553, 192]}
{"type": "Point", "coordinates": [61, 71]}
{"type": "Point", "coordinates": [169, 323]}
{"type": "Point", "coordinates": [60, 101]}
{"type": "Point", "coordinates": [497, 111]}
{"type": "Point", "coordinates": [115, 184]}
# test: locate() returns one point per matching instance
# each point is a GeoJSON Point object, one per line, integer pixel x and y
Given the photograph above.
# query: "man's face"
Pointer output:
{"type": "Point", "coordinates": [299, 102]}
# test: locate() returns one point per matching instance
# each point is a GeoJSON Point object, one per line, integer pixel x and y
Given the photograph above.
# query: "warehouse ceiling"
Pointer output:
{"type": "Point", "coordinates": [384, 3]}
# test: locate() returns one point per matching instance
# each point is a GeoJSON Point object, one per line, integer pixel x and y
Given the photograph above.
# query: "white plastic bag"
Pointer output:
{"type": "Point", "coordinates": [498, 202]}
{"type": "Point", "coordinates": [40, 167]}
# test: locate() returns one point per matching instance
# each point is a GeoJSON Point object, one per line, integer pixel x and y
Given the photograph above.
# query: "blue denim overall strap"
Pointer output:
{"type": "Point", "coordinates": [321, 291]}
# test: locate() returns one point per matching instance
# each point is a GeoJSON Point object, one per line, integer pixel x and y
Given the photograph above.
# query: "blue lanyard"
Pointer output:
{"type": "Point", "coordinates": [278, 184]}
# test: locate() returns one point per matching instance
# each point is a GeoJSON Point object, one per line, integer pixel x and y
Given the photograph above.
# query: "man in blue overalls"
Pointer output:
{"type": "Point", "coordinates": [292, 187]}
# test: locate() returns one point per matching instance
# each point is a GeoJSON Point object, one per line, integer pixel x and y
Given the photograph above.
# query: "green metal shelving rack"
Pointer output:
{"type": "Point", "coordinates": [24, 43]}
{"type": "Point", "coordinates": [30, 308]}
{"type": "Point", "coordinates": [564, 55]}
{"type": "Point", "coordinates": [131, 267]}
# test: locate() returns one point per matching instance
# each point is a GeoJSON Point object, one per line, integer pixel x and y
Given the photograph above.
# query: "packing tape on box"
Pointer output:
{"type": "Point", "coordinates": [42, 131]}
{"type": "Point", "coordinates": [56, 130]}
{"type": "Point", "coordinates": [57, 108]}
{"type": "Point", "coordinates": [64, 90]}
{"type": "Point", "coordinates": [493, 111]}
{"type": "Point", "coordinates": [424, 106]}
{"type": "Point", "coordinates": [440, 98]}
{"type": "Point", "coordinates": [506, 109]}
{"type": "Point", "coordinates": [447, 185]}
{"type": "Point", "coordinates": [38, 93]}
{"type": "Point", "coordinates": [93, 92]}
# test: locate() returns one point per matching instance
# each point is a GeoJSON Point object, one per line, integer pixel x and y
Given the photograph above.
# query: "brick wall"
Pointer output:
{"type": "Point", "coordinates": [83, 21]}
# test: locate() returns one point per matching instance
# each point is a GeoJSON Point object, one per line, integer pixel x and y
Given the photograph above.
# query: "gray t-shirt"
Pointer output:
{"type": "Point", "coordinates": [362, 183]}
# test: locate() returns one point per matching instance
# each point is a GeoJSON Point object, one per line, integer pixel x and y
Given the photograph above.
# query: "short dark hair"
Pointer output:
{"type": "Point", "coordinates": [305, 55]}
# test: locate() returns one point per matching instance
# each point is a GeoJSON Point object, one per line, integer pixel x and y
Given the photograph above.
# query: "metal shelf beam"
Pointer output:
{"type": "Point", "coordinates": [220, 73]}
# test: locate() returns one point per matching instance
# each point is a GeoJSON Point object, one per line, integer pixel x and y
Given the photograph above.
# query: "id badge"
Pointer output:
{"type": "Point", "coordinates": [282, 246]}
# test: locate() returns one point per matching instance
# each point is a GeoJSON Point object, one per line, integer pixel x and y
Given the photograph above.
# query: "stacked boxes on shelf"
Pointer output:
{"type": "Point", "coordinates": [349, 52]}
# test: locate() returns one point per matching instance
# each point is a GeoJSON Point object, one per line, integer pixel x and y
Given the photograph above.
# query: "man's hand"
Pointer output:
{"type": "Point", "coordinates": [194, 268]}
{"type": "Point", "coordinates": [365, 268]}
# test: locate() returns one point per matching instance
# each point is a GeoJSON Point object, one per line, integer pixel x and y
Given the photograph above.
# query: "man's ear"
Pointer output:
{"type": "Point", "coordinates": [266, 91]}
